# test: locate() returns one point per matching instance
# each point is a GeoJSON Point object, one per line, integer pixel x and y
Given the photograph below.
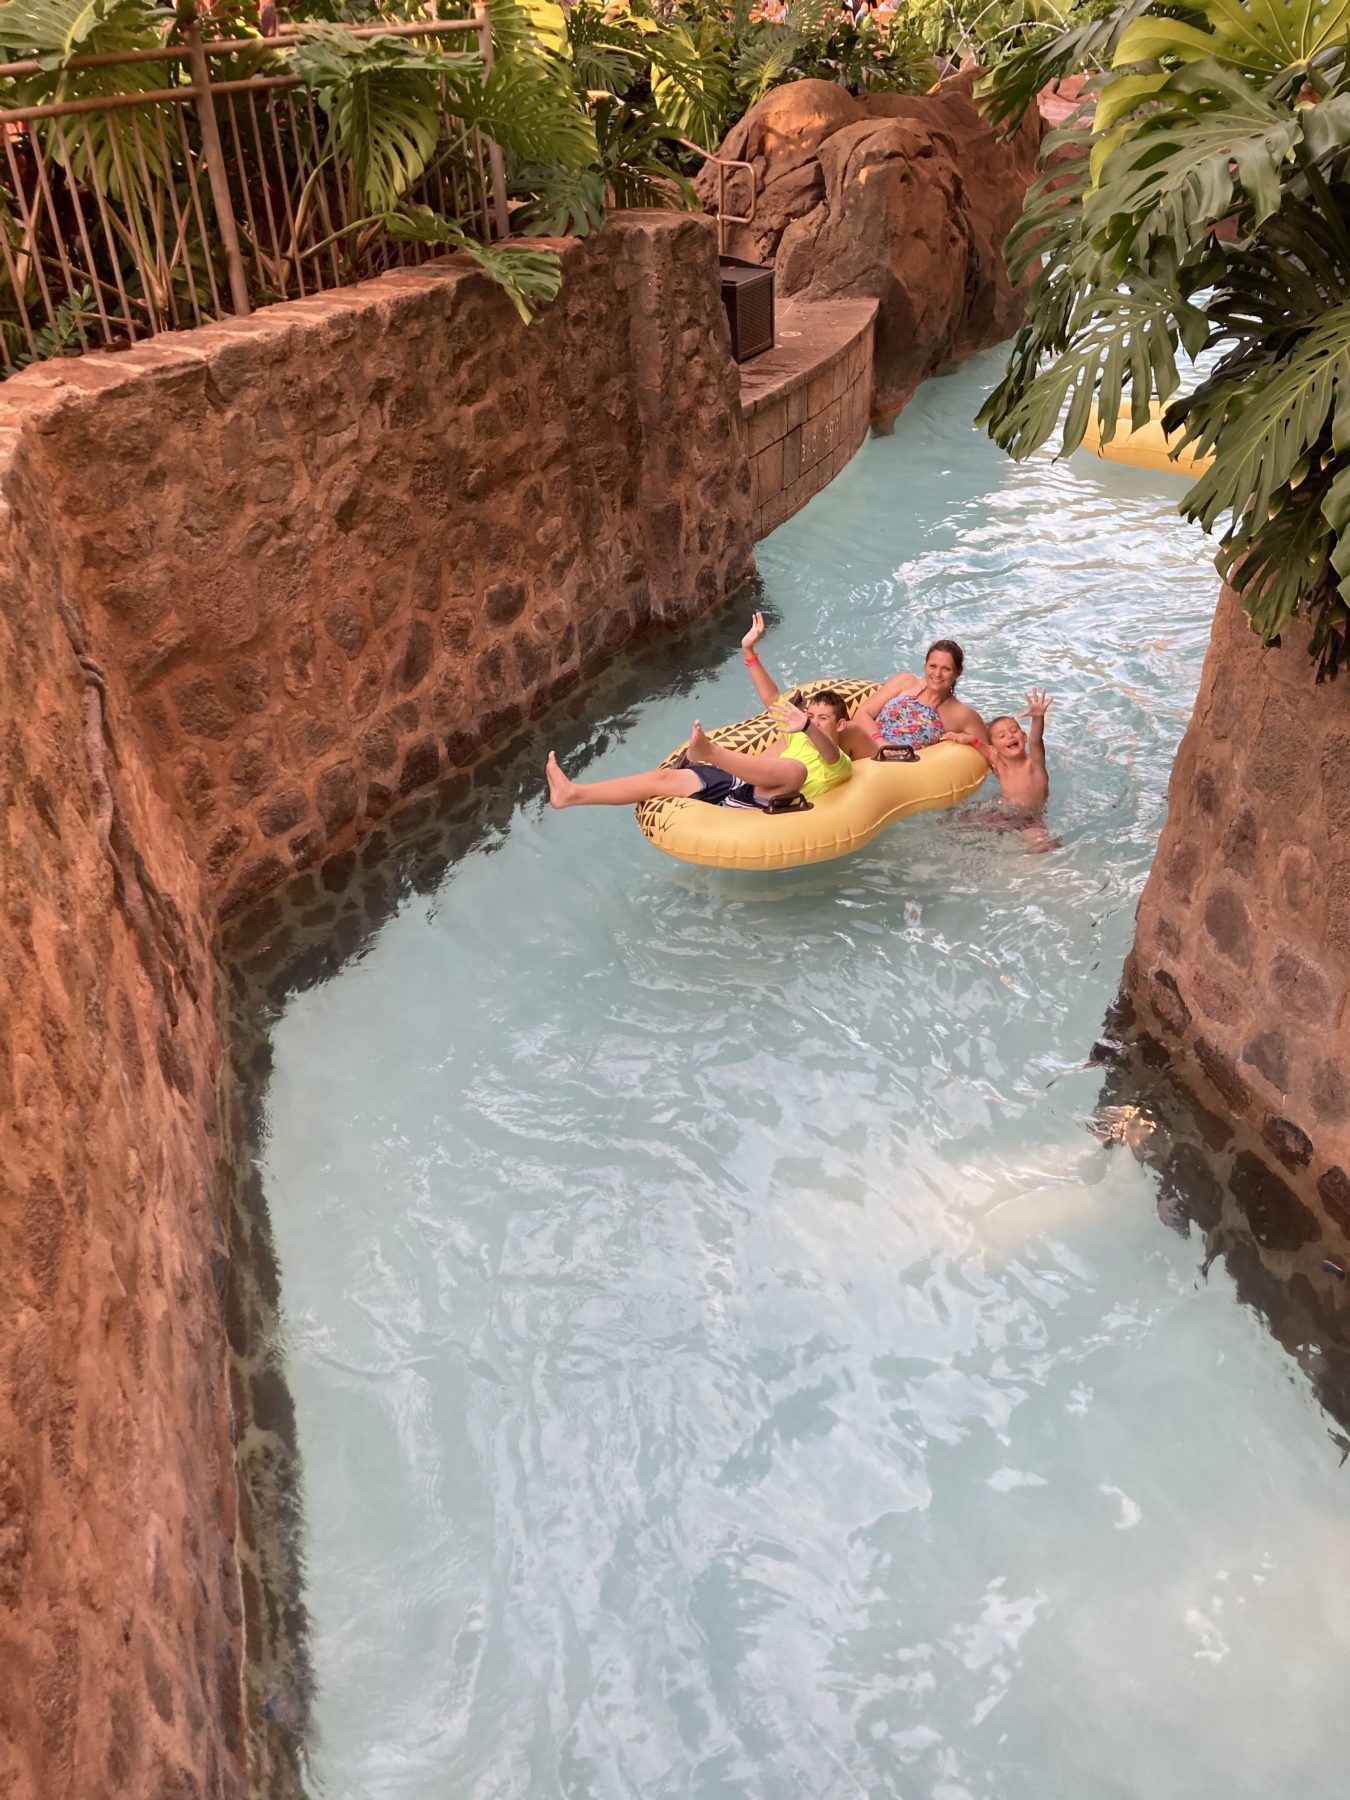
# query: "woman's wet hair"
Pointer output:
{"type": "Point", "coordinates": [953, 650]}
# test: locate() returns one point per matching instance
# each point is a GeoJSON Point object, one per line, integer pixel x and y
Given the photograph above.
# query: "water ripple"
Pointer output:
{"type": "Point", "coordinates": [724, 1364]}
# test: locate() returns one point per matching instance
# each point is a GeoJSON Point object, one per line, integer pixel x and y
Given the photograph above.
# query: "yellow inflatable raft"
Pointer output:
{"type": "Point", "coordinates": [843, 820]}
{"type": "Point", "coordinates": [1149, 447]}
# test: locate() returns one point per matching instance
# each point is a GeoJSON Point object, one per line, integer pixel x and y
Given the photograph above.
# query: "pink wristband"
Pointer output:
{"type": "Point", "coordinates": [750, 659]}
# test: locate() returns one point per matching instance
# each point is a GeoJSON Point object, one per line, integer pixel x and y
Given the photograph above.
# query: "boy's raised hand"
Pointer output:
{"type": "Point", "coordinates": [789, 716]}
{"type": "Point", "coordinates": [1038, 703]}
{"type": "Point", "coordinates": [755, 633]}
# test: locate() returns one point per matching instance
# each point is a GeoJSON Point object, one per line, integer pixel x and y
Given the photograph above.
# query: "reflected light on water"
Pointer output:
{"type": "Point", "coordinates": [725, 1362]}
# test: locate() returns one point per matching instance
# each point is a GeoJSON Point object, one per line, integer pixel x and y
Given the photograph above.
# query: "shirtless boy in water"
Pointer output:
{"type": "Point", "coordinates": [1017, 758]}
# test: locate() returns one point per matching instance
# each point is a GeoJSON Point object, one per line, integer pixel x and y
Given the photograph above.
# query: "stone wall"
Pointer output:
{"type": "Point", "coordinates": [328, 550]}
{"type": "Point", "coordinates": [1242, 951]}
{"type": "Point", "coordinates": [1216, 1181]}
{"type": "Point", "coordinates": [806, 404]}
{"type": "Point", "coordinates": [260, 580]}
{"type": "Point", "coordinates": [119, 1605]}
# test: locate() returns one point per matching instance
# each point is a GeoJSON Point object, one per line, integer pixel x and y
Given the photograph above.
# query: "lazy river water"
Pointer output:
{"type": "Point", "coordinates": [724, 1362]}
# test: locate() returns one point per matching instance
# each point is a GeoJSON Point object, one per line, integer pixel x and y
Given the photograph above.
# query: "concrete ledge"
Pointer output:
{"type": "Point", "coordinates": [806, 404]}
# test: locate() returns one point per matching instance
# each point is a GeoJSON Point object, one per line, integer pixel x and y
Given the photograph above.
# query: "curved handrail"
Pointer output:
{"type": "Point", "coordinates": [722, 164]}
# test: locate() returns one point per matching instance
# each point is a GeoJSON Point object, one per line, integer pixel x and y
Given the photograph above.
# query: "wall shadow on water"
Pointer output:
{"type": "Point", "coordinates": [1287, 1251]}
{"type": "Point", "coordinates": [1283, 1244]}
{"type": "Point", "coordinates": [295, 938]}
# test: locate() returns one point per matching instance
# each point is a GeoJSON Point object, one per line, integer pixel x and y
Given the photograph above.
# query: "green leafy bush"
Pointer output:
{"type": "Point", "coordinates": [1203, 203]}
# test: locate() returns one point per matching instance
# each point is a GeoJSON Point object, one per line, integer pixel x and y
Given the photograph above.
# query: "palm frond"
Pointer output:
{"type": "Point", "coordinates": [764, 61]}
{"type": "Point", "coordinates": [637, 158]}
{"type": "Point", "coordinates": [1009, 91]}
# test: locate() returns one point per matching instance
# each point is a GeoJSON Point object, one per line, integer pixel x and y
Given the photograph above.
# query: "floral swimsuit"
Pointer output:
{"type": "Point", "coordinates": [909, 720]}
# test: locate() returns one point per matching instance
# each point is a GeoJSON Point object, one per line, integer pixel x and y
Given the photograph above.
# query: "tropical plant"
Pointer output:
{"type": "Point", "coordinates": [642, 87]}
{"type": "Point", "coordinates": [817, 40]}
{"type": "Point", "coordinates": [385, 101]}
{"type": "Point", "coordinates": [388, 136]}
{"type": "Point", "coordinates": [52, 32]}
{"type": "Point", "coordinates": [996, 32]}
{"type": "Point", "coordinates": [1202, 204]}
{"type": "Point", "coordinates": [63, 336]}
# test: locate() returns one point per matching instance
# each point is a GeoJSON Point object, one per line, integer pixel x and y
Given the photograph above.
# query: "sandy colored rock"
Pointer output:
{"type": "Point", "coordinates": [902, 199]}
{"type": "Point", "coordinates": [995, 173]}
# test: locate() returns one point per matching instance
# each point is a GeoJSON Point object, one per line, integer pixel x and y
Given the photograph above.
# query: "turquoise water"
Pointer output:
{"type": "Point", "coordinates": [725, 1364]}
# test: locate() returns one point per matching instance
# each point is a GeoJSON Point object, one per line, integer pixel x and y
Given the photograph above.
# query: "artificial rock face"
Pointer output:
{"type": "Point", "coordinates": [1242, 950]}
{"type": "Point", "coordinates": [259, 582]}
{"type": "Point", "coordinates": [905, 199]}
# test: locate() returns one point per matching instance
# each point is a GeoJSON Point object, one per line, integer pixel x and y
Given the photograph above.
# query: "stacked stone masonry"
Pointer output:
{"type": "Point", "coordinates": [260, 581]}
{"type": "Point", "coordinates": [806, 404]}
{"type": "Point", "coordinates": [1242, 949]}
{"type": "Point", "coordinates": [333, 548]}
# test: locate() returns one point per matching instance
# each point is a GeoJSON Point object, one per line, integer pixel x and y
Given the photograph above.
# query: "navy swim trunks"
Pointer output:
{"type": "Point", "coordinates": [721, 789]}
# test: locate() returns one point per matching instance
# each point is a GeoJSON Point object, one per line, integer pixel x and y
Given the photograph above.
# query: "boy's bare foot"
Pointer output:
{"type": "Point", "coordinates": [699, 744]}
{"type": "Point", "coordinates": [561, 791]}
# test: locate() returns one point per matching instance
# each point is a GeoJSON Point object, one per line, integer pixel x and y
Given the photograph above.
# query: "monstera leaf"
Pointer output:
{"type": "Point", "coordinates": [691, 82]}
{"type": "Point", "coordinates": [528, 105]}
{"type": "Point", "coordinates": [56, 30]}
{"type": "Point", "coordinates": [1116, 337]}
{"type": "Point", "coordinates": [1232, 113]}
{"type": "Point", "coordinates": [530, 278]}
{"type": "Point", "coordinates": [562, 203]}
{"type": "Point", "coordinates": [1266, 37]}
{"type": "Point", "coordinates": [1204, 136]}
{"type": "Point", "coordinates": [107, 153]}
{"type": "Point", "coordinates": [1273, 430]}
{"type": "Point", "coordinates": [383, 105]}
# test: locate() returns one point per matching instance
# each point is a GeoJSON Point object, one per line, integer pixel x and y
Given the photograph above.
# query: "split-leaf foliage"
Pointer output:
{"type": "Point", "coordinates": [604, 104]}
{"type": "Point", "coordinates": [1200, 203]}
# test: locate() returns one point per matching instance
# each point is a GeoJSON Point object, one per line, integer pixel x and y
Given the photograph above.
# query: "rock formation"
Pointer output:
{"type": "Point", "coordinates": [905, 199]}
{"type": "Point", "coordinates": [1242, 950]}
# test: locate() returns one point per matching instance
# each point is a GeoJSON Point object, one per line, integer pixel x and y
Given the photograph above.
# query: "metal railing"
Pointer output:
{"type": "Point", "coordinates": [126, 215]}
{"type": "Point", "coordinates": [724, 166]}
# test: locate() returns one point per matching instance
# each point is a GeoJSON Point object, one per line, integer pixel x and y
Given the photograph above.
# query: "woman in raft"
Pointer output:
{"type": "Point", "coordinates": [908, 712]}
{"type": "Point", "coordinates": [904, 714]}
{"type": "Point", "coordinates": [802, 764]}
